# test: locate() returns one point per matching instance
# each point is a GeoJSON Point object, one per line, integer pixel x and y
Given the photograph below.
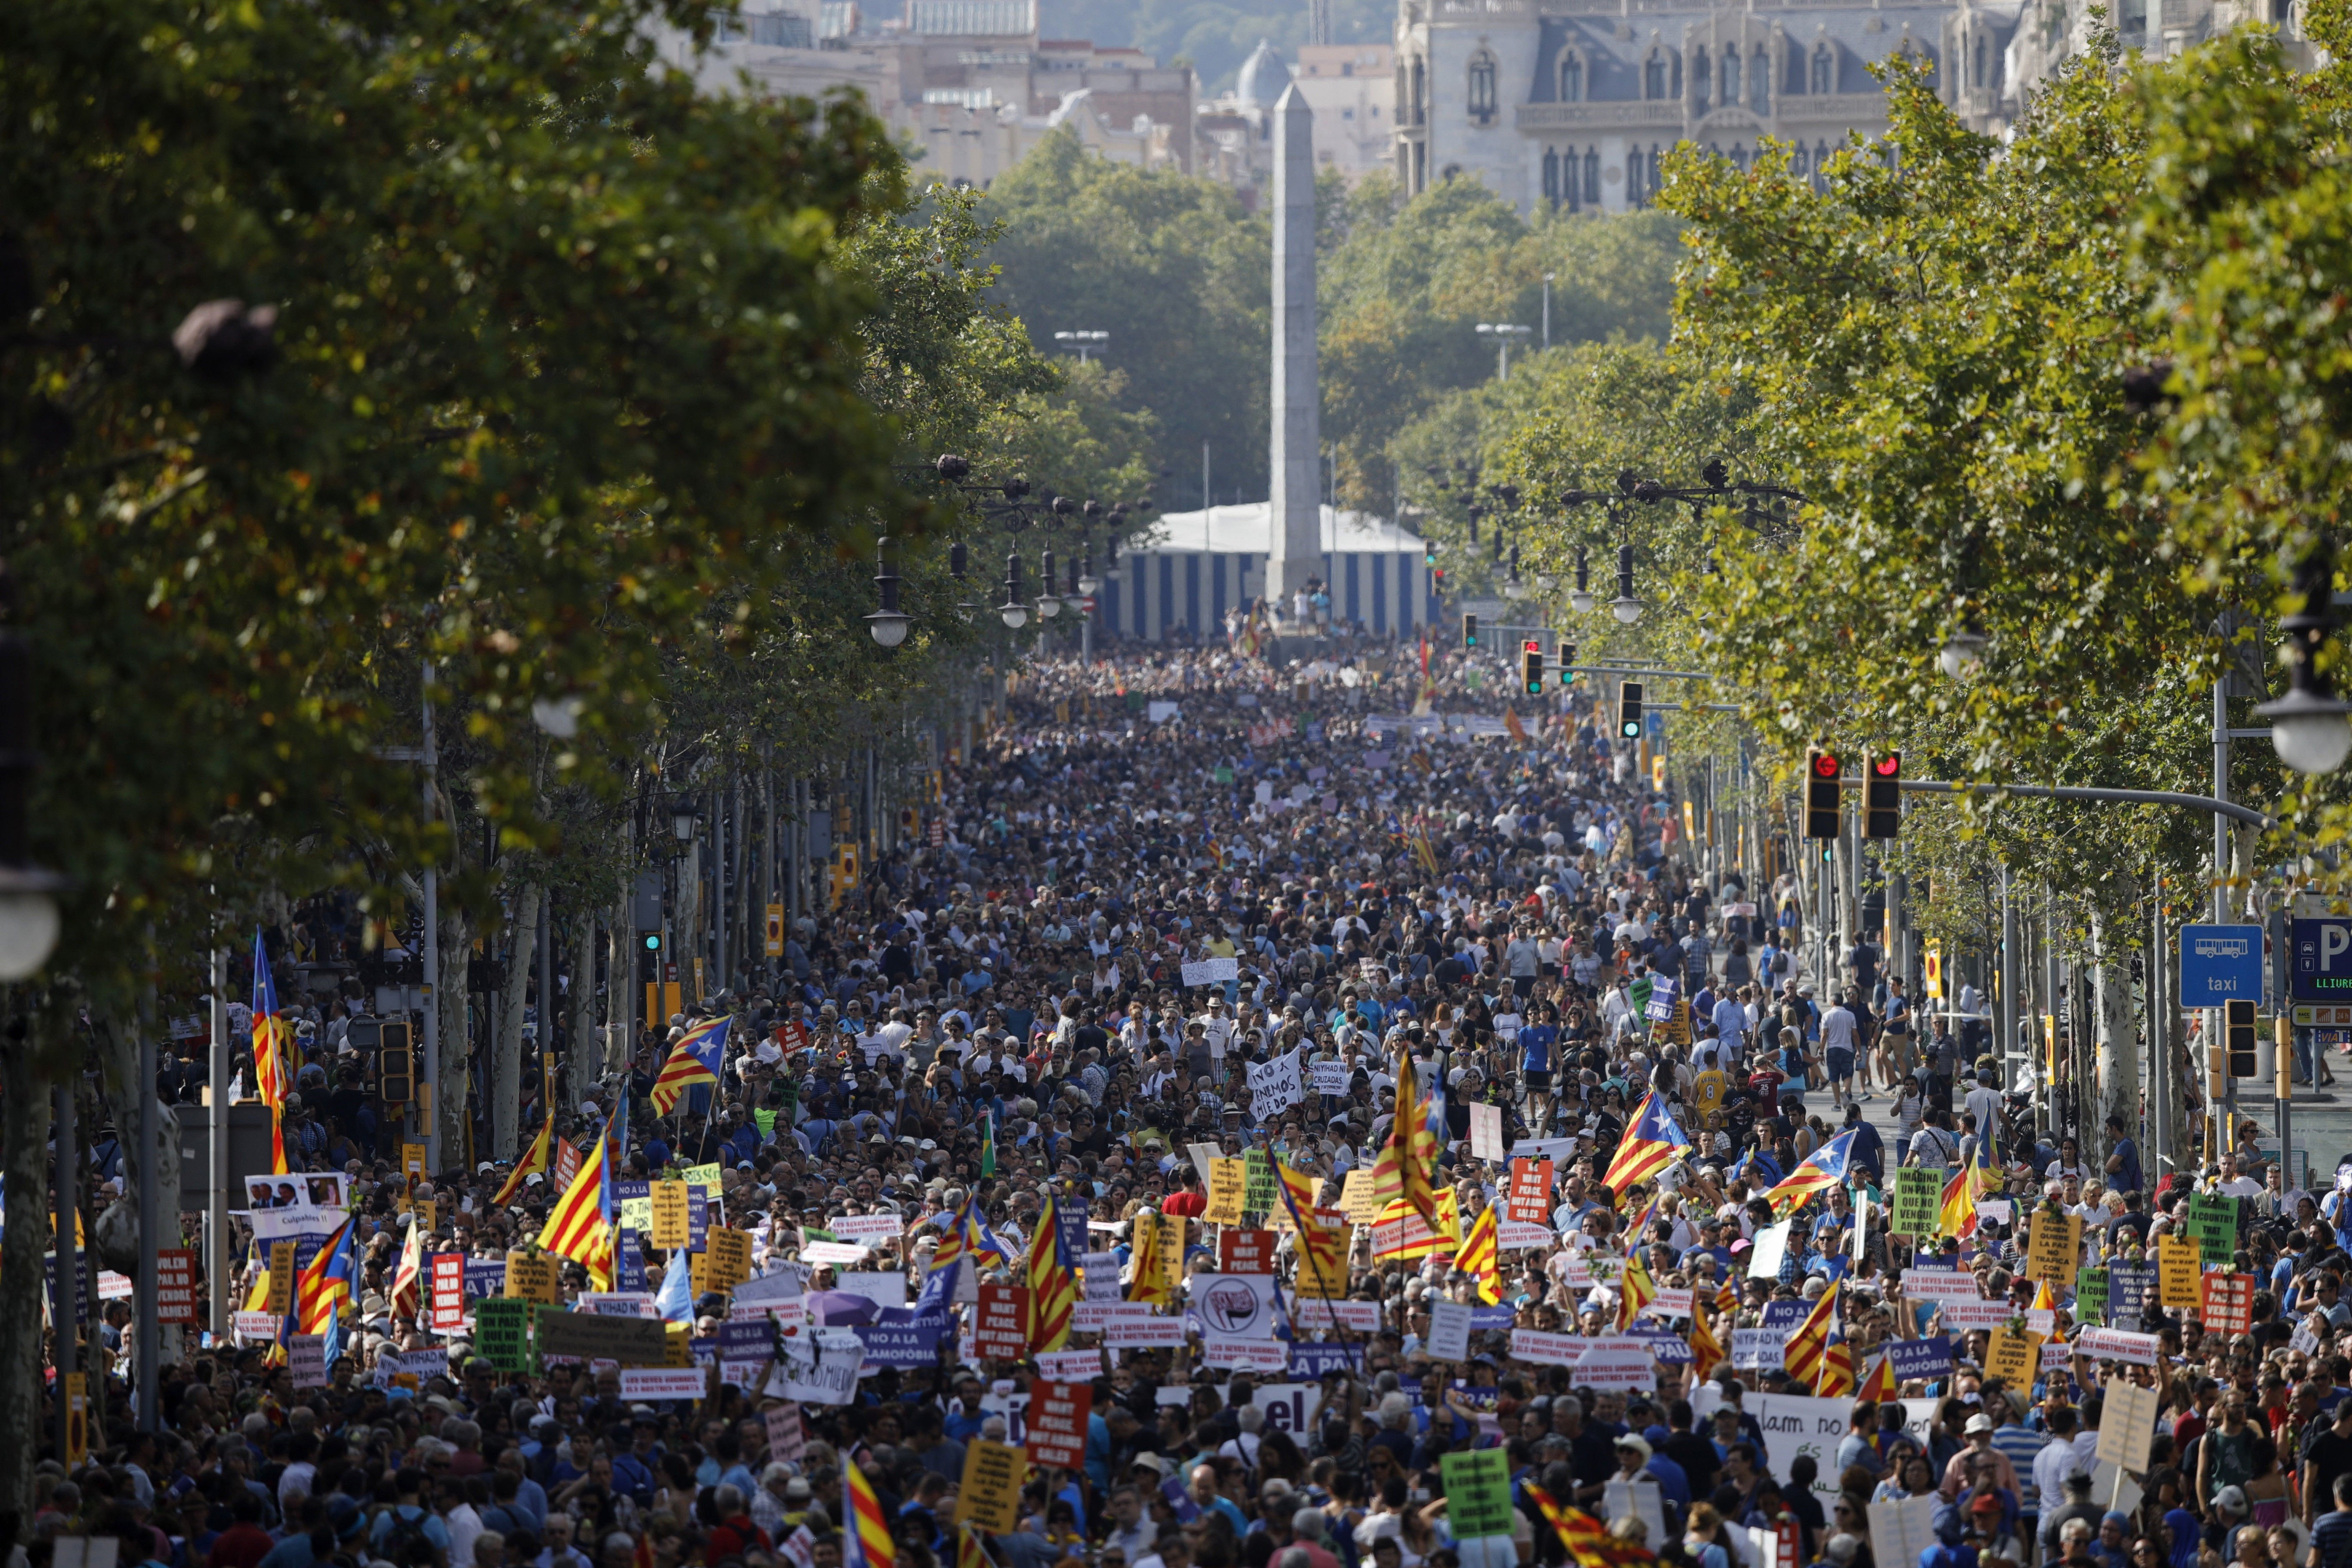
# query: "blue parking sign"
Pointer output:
{"type": "Point", "coordinates": [2322, 971]}
{"type": "Point", "coordinates": [2221, 964]}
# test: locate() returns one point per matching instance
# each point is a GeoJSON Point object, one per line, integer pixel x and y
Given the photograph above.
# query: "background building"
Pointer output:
{"type": "Point", "coordinates": [1351, 89]}
{"type": "Point", "coordinates": [1191, 566]}
{"type": "Point", "coordinates": [968, 84]}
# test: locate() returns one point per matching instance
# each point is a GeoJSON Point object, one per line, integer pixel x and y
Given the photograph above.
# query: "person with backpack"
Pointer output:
{"type": "Point", "coordinates": [405, 1532]}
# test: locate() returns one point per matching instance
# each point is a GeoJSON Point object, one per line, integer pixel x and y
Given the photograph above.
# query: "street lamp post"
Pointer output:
{"type": "Point", "coordinates": [1503, 332]}
{"type": "Point", "coordinates": [1083, 341]}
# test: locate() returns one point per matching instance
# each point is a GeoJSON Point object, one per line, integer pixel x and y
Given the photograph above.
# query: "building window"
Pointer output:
{"type": "Point", "coordinates": [1635, 192]}
{"type": "Point", "coordinates": [1420, 92]}
{"type": "Point", "coordinates": [1654, 76]}
{"type": "Point", "coordinates": [1731, 79]}
{"type": "Point", "coordinates": [1978, 73]}
{"type": "Point", "coordinates": [1700, 79]}
{"type": "Point", "coordinates": [1760, 83]}
{"type": "Point", "coordinates": [1482, 99]}
{"type": "Point", "coordinates": [1799, 161]}
{"type": "Point", "coordinates": [1824, 70]}
{"type": "Point", "coordinates": [1551, 176]}
{"type": "Point", "coordinates": [1593, 177]}
{"type": "Point", "coordinates": [1572, 79]}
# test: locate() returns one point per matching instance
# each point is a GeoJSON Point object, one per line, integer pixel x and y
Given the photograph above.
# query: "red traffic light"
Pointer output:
{"type": "Point", "coordinates": [1531, 646]}
{"type": "Point", "coordinates": [1888, 765]}
{"type": "Point", "coordinates": [1825, 764]}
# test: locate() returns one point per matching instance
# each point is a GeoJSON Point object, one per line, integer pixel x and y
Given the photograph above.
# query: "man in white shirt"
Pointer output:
{"type": "Point", "coordinates": [1984, 1103]}
{"type": "Point", "coordinates": [1837, 1051]}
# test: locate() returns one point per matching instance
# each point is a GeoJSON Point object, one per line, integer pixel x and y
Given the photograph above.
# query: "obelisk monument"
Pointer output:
{"type": "Point", "coordinates": [1295, 553]}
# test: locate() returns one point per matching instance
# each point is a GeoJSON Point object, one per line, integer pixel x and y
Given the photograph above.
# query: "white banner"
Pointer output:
{"type": "Point", "coordinates": [1069, 1365]}
{"type": "Point", "coordinates": [1940, 1285]}
{"type": "Point", "coordinates": [1758, 1350]}
{"type": "Point", "coordinates": [1546, 1349]}
{"type": "Point", "coordinates": [1275, 1086]}
{"type": "Point", "coordinates": [1513, 1234]}
{"type": "Point", "coordinates": [1793, 1425]}
{"type": "Point", "coordinates": [1330, 1078]}
{"type": "Point", "coordinates": [1449, 1331]}
{"type": "Point", "coordinates": [1617, 1363]}
{"type": "Point", "coordinates": [1485, 1132]}
{"type": "Point", "coordinates": [1209, 971]}
{"type": "Point", "coordinates": [1146, 1334]}
{"type": "Point", "coordinates": [873, 1228]}
{"type": "Point", "coordinates": [664, 1383]}
{"type": "Point", "coordinates": [1315, 1312]}
{"type": "Point", "coordinates": [1976, 1315]}
{"type": "Point", "coordinates": [1234, 1306]}
{"type": "Point", "coordinates": [1246, 1354]}
{"type": "Point", "coordinates": [816, 1368]}
{"type": "Point", "coordinates": [834, 1252]}
{"type": "Point", "coordinates": [1094, 1317]}
{"type": "Point", "coordinates": [2114, 1344]}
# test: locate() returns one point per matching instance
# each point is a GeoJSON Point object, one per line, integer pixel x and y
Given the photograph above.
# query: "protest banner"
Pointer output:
{"type": "Point", "coordinates": [1057, 1423]}
{"type": "Point", "coordinates": [990, 1496]}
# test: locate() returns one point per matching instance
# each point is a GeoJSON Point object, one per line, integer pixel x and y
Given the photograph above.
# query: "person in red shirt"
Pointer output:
{"type": "Point", "coordinates": [734, 1535]}
{"type": "Point", "coordinates": [243, 1542]}
{"type": "Point", "coordinates": [1188, 1201]}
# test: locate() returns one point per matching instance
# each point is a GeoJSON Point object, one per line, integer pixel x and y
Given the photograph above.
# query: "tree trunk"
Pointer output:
{"type": "Point", "coordinates": [585, 1060]}
{"type": "Point", "coordinates": [25, 1103]}
{"type": "Point", "coordinates": [456, 1036]}
{"type": "Point", "coordinates": [506, 1069]}
{"type": "Point", "coordinates": [2118, 1077]}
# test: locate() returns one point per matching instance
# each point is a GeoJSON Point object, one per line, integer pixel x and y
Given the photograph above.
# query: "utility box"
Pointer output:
{"type": "Point", "coordinates": [248, 1151]}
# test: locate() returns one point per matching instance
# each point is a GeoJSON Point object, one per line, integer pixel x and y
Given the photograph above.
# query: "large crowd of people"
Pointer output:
{"type": "Point", "coordinates": [1717, 1252]}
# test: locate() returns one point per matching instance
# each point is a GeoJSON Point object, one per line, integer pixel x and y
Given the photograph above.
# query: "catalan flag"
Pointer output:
{"type": "Point", "coordinates": [1401, 1173]}
{"type": "Point", "coordinates": [1806, 1348]}
{"type": "Point", "coordinates": [1827, 1167]}
{"type": "Point", "coordinates": [408, 1280]}
{"type": "Point", "coordinates": [693, 1060]}
{"type": "Point", "coordinates": [1706, 1351]}
{"type": "Point", "coordinates": [1512, 727]}
{"type": "Point", "coordinates": [273, 1043]}
{"type": "Point", "coordinates": [321, 1288]}
{"type": "Point", "coordinates": [534, 1162]}
{"type": "Point", "coordinates": [1481, 1255]}
{"type": "Point", "coordinates": [1158, 1258]}
{"type": "Point", "coordinates": [1835, 1378]}
{"type": "Point", "coordinates": [582, 1225]}
{"type": "Point", "coordinates": [1635, 1290]}
{"type": "Point", "coordinates": [865, 1538]}
{"type": "Point", "coordinates": [1654, 1140]}
{"type": "Point", "coordinates": [1878, 1384]}
{"type": "Point", "coordinates": [1052, 1284]}
{"type": "Point", "coordinates": [969, 1236]}
{"type": "Point", "coordinates": [969, 1552]}
{"type": "Point", "coordinates": [1589, 1546]}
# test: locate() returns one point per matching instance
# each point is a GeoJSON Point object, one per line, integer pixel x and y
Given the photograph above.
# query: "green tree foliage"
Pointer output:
{"type": "Point", "coordinates": [1175, 270]}
{"type": "Point", "coordinates": [1405, 284]}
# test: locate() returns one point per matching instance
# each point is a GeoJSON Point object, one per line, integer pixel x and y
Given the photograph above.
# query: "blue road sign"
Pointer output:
{"type": "Point", "coordinates": [2222, 964]}
{"type": "Point", "coordinates": [2322, 971]}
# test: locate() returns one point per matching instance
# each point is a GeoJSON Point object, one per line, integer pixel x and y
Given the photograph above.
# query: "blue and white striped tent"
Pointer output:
{"type": "Point", "coordinates": [1189, 568]}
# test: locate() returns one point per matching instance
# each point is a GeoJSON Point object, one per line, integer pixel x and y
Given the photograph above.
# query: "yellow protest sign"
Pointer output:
{"type": "Point", "coordinates": [412, 1162]}
{"type": "Point", "coordinates": [2054, 1246]}
{"type": "Point", "coordinates": [2013, 1354]}
{"type": "Point", "coordinates": [677, 1343]}
{"type": "Point", "coordinates": [281, 1278]}
{"type": "Point", "coordinates": [1357, 1199]}
{"type": "Point", "coordinates": [990, 1496]}
{"type": "Point", "coordinates": [1227, 1181]}
{"type": "Point", "coordinates": [729, 1252]}
{"type": "Point", "coordinates": [670, 1228]}
{"type": "Point", "coordinates": [1323, 1259]}
{"type": "Point", "coordinates": [532, 1276]}
{"type": "Point", "coordinates": [2176, 1272]}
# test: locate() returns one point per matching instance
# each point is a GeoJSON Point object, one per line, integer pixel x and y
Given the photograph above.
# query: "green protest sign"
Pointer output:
{"type": "Point", "coordinates": [1258, 1191]}
{"type": "Point", "coordinates": [1918, 1201]}
{"type": "Point", "coordinates": [2091, 1295]}
{"type": "Point", "coordinates": [503, 1331]}
{"type": "Point", "coordinates": [2213, 1221]}
{"type": "Point", "coordinates": [1477, 1493]}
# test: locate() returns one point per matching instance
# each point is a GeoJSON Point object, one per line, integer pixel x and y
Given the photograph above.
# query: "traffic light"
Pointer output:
{"type": "Point", "coordinates": [2239, 1036]}
{"type": "Point", "coordinates": [1629, 709]}
{"type": "Point", "coordinates": [1821, 806]}
{"type": "Point", "coordinates": [396, 1063]}
{"type": "Point", "coordinates": [1469, 634]}
{"type": "Point", "coordinates": [1566, 664]}
{"type": "Point", "coordinates": [1531, 663]}
{"type": "Point", "coordinates": [1881, 797]}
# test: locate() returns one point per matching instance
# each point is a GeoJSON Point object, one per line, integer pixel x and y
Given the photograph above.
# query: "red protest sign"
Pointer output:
{"type": "Point", "coordinates": [176, 1285]}
{"type": "Point", "coordinates": [1001, 1328]}
{"type": "Point", "coordinates": [2228, 1302]}
{"type": "Point", "coordinates": [1057, 1423]}
{"type": "Point", "coordinates": [448, 1269]}
{"type": "Point", "coordinates": [1531, 1191]}
{"type": "Point", "coordinates": [1245, 1252]}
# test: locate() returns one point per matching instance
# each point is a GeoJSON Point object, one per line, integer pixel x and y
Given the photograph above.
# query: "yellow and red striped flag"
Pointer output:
{"type": "Point", "coordinates": [1052, 1284]}
{"type": "Point", "coordinates": [408, 1281]}
{"type": "Point", "coordinates": [1810, 1342]}
{"type": "Point", "coordinates": [866, 1542]}
{"type": "Point", "coordinates": [534, 1161]}
{"type": "Point", "coordinates": [1706, 1351]}
{"type": "Point", "coordinates": [1878, 1382]}
{"type": "Point", "coordinates": [1481, 1255]}
{"type": "Point", "coordinates": [1401, 1173]}
{"type": "Point", "coordinates": [1835, 1378]}
{"type": "Point", "coordinates": [580, 1226]}
{"type": "Point", "coordinates": [1635, 1290]}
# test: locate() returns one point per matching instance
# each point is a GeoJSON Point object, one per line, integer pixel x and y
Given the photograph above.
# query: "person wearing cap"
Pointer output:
{"type": "Point", "coordinates": [1979, 1451]}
